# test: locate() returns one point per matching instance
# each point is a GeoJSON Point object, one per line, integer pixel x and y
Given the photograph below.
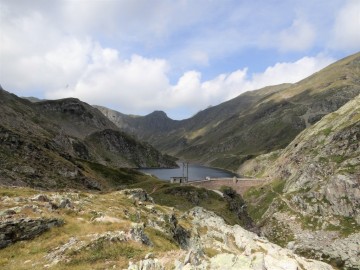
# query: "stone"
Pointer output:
{"type": "Point", "coordinates": [137, 234]}
{"type": "Point", "coordinates": [147, 264]}
{"type": "Point", "coordinates": [15, 230]}
{"type": "Point", "coordinates": [138, 194]}
{"type": "Point", "coordinates": [291, 245]}
{"type": "Point", "coordinates": [65, 203]}
{"type": "Point", "coordinates": [40, 198]}
{"type": "Point", "coordinates": [107, 219]}
{"type": "Point", "coordinates": [149, 256]}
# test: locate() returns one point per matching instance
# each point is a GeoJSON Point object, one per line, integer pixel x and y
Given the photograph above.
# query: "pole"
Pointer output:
{"type": "Point", "coordinates": [187, 171]}
{"type": "Point", "coordinates": [183, 169]}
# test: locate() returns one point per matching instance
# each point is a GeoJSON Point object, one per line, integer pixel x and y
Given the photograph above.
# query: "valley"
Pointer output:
{"type": "Point", "coordinates": [77, 189]}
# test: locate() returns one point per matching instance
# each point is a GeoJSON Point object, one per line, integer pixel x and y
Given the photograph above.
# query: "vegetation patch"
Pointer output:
{"type": "Point", "coordinates": [280, 233]}
{"type": "Point", "coordinates": [346, 227]}
{"type": "Point", "coordinates": [211, 252]}
{"type": "Point", "coordinates": [160, 240]}
{"type": "Point", "coordinates": [101, 251]}
{"type": "Point", "coordinates": [260, 198]}
{"type": "Point", "coordinates": [186, 197]}
{"type": "Point", "coordinates": [326, 131]}
{"type": "Point", "coordinates": [337, 158]}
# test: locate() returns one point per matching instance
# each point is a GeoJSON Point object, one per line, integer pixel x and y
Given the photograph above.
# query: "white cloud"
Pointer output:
{"type": "Point", "coordinates": [70, 66]}
{"type": "Point", "coordinates": [36, 52]}
{"type": "Point", "coordinates": [347, 27]}
{"type": "Point", "coordinates": [141, 85]}
{"type": "Point", "coordinates": [298, 37]}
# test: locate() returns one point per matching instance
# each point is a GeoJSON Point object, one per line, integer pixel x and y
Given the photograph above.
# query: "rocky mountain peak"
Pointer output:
{"type": "Point", "coordinates": [161, 115]}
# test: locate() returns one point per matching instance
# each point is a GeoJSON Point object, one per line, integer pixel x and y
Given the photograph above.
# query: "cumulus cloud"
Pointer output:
{"type": "Point", "coordinates": [50, 49]}
{"type": "Point", "coordinates": [347, 27]}
{"type": "Point", "coordinates": [140, 84]}
{"type": "Point", "coordinates": [298, 37]}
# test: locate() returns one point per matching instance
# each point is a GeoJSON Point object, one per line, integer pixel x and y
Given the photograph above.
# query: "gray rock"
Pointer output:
{"type": "Point", "coordinates": [137, 234]}
{"type": "Point", "coordinates": [137, 194]}
{"type": "Point", "coordinates": [41, 198]}
{"type": "Point", "coordinates": [24, 229]}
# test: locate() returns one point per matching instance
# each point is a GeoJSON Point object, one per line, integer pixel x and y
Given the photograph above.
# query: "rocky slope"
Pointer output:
{"type": "Point", "coordinates": [253, 123]}
{"type": "Point", "coordinates": [315, 198]}
{"type": "Point", "coordinates": [126, 230]}
{"type": "Point", "coordinates": [50, 144]}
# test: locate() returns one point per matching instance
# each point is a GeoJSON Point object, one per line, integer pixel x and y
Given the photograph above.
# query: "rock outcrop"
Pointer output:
{"type": "Point", "coordinates": [317, 201]}
{"type": "Point", "coordinates": [15, 230]}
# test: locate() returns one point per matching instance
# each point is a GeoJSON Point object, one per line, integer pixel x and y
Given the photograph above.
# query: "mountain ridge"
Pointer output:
{"type": "Point", "coordinates": [254, 123]}
{"type": "Point", "coordinates": [53, 144]}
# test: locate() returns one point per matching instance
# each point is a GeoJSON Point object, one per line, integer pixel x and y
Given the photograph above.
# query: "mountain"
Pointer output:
{"type": "Point", "coordinates": [66, 143]}
{"type": "Point", "coordinates": [251, 124]}
{"type": "Point", "coordinates": [313, 200]}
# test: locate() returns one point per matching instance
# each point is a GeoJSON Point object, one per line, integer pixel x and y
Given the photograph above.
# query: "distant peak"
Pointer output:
{"type": "Point", "coordinates": [158, 114]}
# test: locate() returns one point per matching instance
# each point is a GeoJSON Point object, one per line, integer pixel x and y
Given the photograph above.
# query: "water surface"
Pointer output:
{"type": "Point", "coordinates": [196, 172]}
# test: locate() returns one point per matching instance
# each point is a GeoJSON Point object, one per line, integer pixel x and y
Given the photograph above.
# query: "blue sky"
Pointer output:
{"type": "Point", "coordinates": [180, 56]}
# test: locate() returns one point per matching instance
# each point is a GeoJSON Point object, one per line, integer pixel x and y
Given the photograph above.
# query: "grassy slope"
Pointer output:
{"type": "Point", "coordinates": [78, 223]}
{"type": "Point", "coordinates": [255, 122]}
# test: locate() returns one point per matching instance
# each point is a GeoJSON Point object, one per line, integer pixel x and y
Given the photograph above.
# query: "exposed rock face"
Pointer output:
{"type": "Point", "coordinates": [137, 233]}
{"type": "Point", "coordinates": [238, 205]}
{"type": "Point", "coordinates": [319, 205]}
{"type": "Point", "coordinates": [322, 165]}
{"type": "Point", "coordinates": [236, 248]}
{"type": "Point", "coordinates": [12, 231]}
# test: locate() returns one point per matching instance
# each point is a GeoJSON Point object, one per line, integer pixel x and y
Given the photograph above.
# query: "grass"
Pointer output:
{"type": "Point", "coordinates": [79, 224]}
{"type": "Point", "coordinates": [211, 252]}
{"type": "Point", "coordinates": [161, 241]}
{"type": "Point", "coordinates": [186, 197]}
{"type": "Point", "coordinates": [349, 168]}
{"type": "Point", "coordinates": [280, 233]}
{"type": "Point", "coordinates": [260, 198]}
{"type": "Point", "coordinates": [326, 131]}
{"type": "Point", "coordinates": [118, 177]}
{"type": "Point", "coordinates": [337, 158]}
{"type": "Point", "coordinates": [118, 253]}
{"type": "Point", "coordinates": [347, 226]}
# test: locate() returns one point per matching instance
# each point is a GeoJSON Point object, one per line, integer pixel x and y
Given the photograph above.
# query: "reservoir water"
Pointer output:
{"type": "Point", "coordinates": [196, 172]}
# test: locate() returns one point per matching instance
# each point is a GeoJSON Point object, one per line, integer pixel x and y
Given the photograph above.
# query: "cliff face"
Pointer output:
{"type": "Point", "coordinates": [316, 201]}
{"type": "Point", "coordinates": [323, 165]}
{"type": "Point", "coordinates": [127, 230]}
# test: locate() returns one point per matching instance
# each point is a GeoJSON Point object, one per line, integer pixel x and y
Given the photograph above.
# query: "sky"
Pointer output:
{"type": "Point", "coordinates": [179, 56]}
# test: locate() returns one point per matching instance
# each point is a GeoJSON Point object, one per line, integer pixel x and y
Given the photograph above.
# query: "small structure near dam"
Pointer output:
{"type": "Point", "coordinates": [181, 179]}
{"type": "Point", "coordinates": [178, 179]}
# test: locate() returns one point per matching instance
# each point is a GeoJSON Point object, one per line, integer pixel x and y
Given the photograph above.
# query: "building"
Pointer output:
{"type": "Point", "coordinates": [178, 179]}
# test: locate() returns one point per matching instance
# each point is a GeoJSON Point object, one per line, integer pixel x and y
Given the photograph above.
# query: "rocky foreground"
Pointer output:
{"type": "Point", "coordinates": [126, 230]}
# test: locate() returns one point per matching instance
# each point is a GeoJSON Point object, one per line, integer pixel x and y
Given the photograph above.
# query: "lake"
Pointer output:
{"type": "Point", "coordinates": [196, 172]}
